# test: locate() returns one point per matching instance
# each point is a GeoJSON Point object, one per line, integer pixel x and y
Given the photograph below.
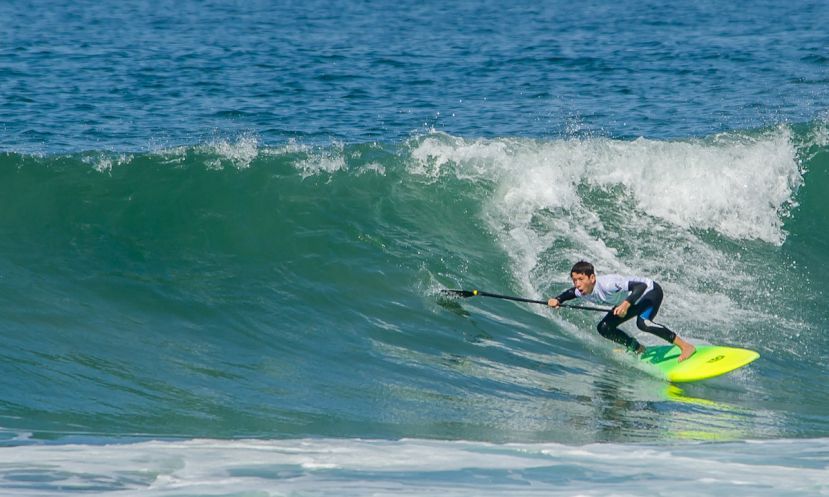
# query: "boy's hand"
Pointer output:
{"type": "Point", "coordinates": [621, 310]}
{"type": "Point", "coordinates": [553, 303]}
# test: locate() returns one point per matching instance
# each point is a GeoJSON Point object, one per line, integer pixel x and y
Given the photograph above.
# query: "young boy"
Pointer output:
{"type": "Point", "coordinates": [630, 296]}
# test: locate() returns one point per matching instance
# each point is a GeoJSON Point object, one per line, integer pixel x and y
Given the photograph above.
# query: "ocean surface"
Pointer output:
{"type": "Point", "coordinates": [225, 227]}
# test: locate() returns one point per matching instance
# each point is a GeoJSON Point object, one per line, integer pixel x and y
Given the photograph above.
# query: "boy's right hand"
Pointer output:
{"type": "Point", "coordinates": [553, 303]}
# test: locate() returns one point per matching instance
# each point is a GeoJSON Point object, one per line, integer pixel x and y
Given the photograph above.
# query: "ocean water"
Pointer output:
{"type": "Point", "coordinates": [224, 228]}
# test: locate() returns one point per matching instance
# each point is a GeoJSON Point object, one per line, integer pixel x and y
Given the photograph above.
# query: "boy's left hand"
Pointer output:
{"type": "Point", "coordinates": [621, 310]}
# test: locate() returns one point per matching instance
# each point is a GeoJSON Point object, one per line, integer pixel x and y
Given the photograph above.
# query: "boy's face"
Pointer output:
{"type": "Point", "coordinates": [583, 283]}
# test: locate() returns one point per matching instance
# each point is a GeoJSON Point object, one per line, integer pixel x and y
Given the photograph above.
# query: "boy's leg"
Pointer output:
{"type": "Point", "coordinates": [660, 330]}
{"type": "Point", "coordinates": [646, 310]}
{"type": "Point", "coordinates": [609, 328]}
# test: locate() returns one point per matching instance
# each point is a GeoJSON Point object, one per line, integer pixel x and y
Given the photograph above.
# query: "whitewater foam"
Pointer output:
{"type": "Point", "coordinates": [737, 185]}
{"type": "Point", "coordinates": [634, 207]}
{"type": "Point", "coordinates": [103, 163]}
{"type": "Point", "coordinates": [323, 467]}
{"type": "Point", "coordinates": [239, 154]}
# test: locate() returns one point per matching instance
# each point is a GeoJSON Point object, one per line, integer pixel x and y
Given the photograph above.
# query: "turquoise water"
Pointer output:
{"type": "Point", "coordinates": [224, 230]}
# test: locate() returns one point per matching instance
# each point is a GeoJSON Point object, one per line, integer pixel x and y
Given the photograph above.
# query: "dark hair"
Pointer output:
{"type": "Point", "coordinates": [583, 267]}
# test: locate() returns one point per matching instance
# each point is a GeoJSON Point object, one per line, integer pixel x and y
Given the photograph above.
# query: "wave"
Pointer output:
{"type": "Point", "coordinates": [233, 288]}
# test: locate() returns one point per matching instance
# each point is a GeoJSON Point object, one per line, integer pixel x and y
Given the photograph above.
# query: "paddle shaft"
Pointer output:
{"type": "Point", "coordinates": [533, 301]}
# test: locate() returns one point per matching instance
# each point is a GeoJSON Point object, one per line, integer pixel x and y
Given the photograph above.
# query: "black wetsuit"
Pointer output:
{"type": "Point", "coordinates": [645, 297]}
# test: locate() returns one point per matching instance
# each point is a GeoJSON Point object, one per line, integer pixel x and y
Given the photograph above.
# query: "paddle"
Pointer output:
{"type": "Point", "coordinates": [478, 293]}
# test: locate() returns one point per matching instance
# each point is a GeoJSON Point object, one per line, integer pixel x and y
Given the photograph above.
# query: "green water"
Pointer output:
{"type": "Point", "coordinates": [233, 289]}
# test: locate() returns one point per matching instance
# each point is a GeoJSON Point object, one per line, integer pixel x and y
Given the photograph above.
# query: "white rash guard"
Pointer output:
{"type": "Point", "coordinates": [612, 289]}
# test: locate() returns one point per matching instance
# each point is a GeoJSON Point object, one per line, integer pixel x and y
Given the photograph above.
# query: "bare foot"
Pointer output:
{"type": "Point", "coordinates": [686, 349]}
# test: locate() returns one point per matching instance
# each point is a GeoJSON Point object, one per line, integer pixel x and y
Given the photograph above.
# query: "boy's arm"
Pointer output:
{"type": "Point", "coordinates": [636, 289]}
{"type": "Point", "coordinates": [564, 296]}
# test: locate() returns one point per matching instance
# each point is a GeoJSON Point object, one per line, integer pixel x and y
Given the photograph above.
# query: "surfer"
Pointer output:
{"type": "Point", "coordinates": [630, 296]}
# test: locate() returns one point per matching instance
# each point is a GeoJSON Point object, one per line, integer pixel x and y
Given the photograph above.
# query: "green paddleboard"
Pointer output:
{"type": "Point", "coordinates": [707, 362]}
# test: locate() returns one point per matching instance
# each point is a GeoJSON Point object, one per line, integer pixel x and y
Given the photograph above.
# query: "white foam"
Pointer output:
{"type": "Point", "coordinates": [820, 132]}
{"type": "Point", "coordinates": [634, 207]}
{"type": "Point", "coordinates": [739, 187]}
{"type": "Point", "coordinates": [324, 160]}
{"type": "Point", "coordinates": [736, 185]}
{"type": "Point", "coordinates": [103, 163]}
{"type": "Point", "coordinates": [346, 467]}
{"type": "Point", "coordinates": [373, 167]}
{"type": "Point", "coordinates": [239, 153]}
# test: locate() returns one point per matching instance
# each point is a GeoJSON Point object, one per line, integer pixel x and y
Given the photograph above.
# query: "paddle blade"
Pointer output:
{"type": "Point", "coordinates": [459, 293]}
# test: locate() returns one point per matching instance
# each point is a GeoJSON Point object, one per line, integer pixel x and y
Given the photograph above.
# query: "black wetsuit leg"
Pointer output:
{"type": "Point", "coordinates": [645, 311]}
{"type": "Point", "coordinates": [609, 328]}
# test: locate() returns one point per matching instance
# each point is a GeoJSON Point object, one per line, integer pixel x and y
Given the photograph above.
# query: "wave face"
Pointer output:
{"type": "Point", "coordinates": [239, 290]}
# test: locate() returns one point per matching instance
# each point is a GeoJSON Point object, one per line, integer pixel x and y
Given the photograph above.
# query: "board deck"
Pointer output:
{"type": "Point", "coordinates": [707, 362]}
